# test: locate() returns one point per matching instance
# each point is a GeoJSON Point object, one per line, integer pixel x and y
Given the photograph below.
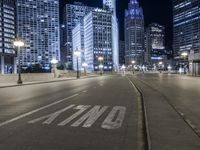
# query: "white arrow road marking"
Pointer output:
{"type": "Point", "coordinates": [110, 123]}
{"type": "Point", "coordinates": [36, 110]}
{"type": "Point", "coordinates": [81, 109]}
{"type": "Point", "coordinates": [90, 117]}
{"type": "Point", "coordinates": [51, 117]}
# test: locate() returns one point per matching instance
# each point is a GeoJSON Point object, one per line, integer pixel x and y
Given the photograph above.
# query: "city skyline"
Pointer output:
{"type": "Point", "coordinates": [99, 74]}
{"type": "Point", "coordinates": [152, 10]}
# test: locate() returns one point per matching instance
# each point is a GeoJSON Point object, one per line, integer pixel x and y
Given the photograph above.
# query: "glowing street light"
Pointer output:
{"type": "Point", "coordinates": [133, 62]}
{"type": "Point", "coordinates": [19, 44]}
{"type": "Point", "coordinates": [84, 66]}
{"type": "Point", "coordinates": [54, 62]}
{"type": "Point", "coordinates": [77, 53]}
{"type": "Point", "coordinates": [160, 63]}
{"type": "Point", "coordinates": [133, 67]}
{"type": "Point", "coordinates": [100, 58]}
{"type": "Point", "coordinates": [184, 54]}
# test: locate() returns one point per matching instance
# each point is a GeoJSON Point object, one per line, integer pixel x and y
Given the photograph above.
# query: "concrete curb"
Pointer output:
{"type": "Point", "coordinates": [43, 82]}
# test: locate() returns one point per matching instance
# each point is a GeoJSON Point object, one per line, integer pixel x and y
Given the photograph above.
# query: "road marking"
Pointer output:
{"type": "Point", "coordinates": [110, 123]}
{"type": "Point", "coordinates": [36, 110]}
{"type": "Point", "coordinates": [51, 117]}
{"type": "Point", "coordinates": [85, 91]}
{"type": "Point", "coordinates": [81, 109]}
{"type": "Point", "coordinates": [90, 117]}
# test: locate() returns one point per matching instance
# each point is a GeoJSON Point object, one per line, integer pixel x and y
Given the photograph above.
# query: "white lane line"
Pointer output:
{"type": "Point", "coordinates": [85, 91]}
{"type": "Point", "coordinates": [81, 109]}
{"type": "Point", "coordinates": [90, 117]}
{"type": "Point", "coordinates": [110, 122]}
{"type": "Point", "coordinates": [51, 117]}
{"type": "Point", "coordinates": [36, 110]}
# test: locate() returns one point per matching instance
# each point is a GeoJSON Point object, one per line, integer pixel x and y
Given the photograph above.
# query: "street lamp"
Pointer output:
{"type": "Point", "coordinates": [77, 53]}
{"type": "Point", "coordinates": [123, 69]}
{"type": "Point", "coordinates": [19, 44]}
{"type": "Point", "coordinates": [133, 69]}
{"type": "Point", "coordinates": [53, 64]}
{"type": "Point", "coordinates": [160, 65]}
{"type": "Point", "coordinates": [84, 66]}
{"type": "Point", "coordinates": [101, 65]}
{"type": "Point", "coordinates": [184, 55]}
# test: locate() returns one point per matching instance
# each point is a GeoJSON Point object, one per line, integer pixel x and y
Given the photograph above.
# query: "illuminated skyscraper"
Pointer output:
{"type": "Point", "coordinates": [155, 41]}
{"type": "Point", "coordinates": [121, 53]}
{"type": "Point", "coordinates": [7, 36]}
{"type": "Point", "coordinates": [73, 14]}
{"type": "Point", "coordinates": [98, 39]}
{"type": "Point", "coordinates": [134, 33]}
{"type": "Point", "coordinates": [186, 22]}
{"type": "Point", "coordinates": [38, 26]}
{"type": "Point", "coordinates": [110, 5]}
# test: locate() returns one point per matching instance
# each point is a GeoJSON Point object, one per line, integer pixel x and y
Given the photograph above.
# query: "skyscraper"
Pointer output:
{"type": "Point", "coordinates": [155, 41]}
{"type": "Point", "coordinates": [38, 27]}
{"type": "Point", "coordinates": [73, 14]}
{"type": "Point", "coordinates": [121, 53]}
{"type": "Point", "coordinates": [186, 22]}
{"type": "Point", "coordinates": [7, 36]}
{"type": "Point", "coordinates": [110, 5]}
{"type": "Point", "coordinates": [98, 39]}
{"type": "Point", "coordinates": [134, 33]}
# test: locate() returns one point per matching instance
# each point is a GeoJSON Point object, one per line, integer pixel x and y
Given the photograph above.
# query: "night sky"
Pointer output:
{"type": "Point", "coordinates": [159, 11]}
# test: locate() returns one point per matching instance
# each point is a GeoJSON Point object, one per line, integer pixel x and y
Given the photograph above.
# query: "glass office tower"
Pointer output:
{"type": "Point", "coordinates": [110, 5]}
{"type": "Point", "coordinates": [186, 23]}
{"type": "Point", "coordinates": [38, 26]}
{"type": "Point", "coordinates": [7, 36]}
{"type": "Point", "coordinates": [155, 41]}
{"type": "Point", "coordinates": [73, 14]}
{"type": "Point", "coordinates": [134, 34]}
{"type": "Point", "coordinates": [98, 40]}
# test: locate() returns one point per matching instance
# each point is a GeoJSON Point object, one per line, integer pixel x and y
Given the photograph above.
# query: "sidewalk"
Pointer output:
{"type": "Point", "coordinates": [13, 84]}
{"type": "Point", "coordinates": [167, 130]}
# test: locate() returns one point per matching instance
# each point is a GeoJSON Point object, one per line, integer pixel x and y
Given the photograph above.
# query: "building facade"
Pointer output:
{"type": "Point", "coordinates": [186, 24]}
{"type": "Point", "coordinates": [98, 40]}
{"type": "Point", "coordinates": [78, 45]}
{"type": "Point", "coordinates": [73, 14]}
{"type": "Point", "coordinates": [110, 5]}
{"type": "Point", "coordinates": [134, 33]}
{"type": "Point", "coordinates": [38, 26]}
{"type": "Point", "coordinates": [121, 53]}
{"type": "Point", "coordinates": [7, 36]}
{"type": "Point", "coordinates": [154, 44]}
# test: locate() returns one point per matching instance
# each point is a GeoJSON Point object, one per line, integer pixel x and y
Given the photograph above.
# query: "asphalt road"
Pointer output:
{"type": "Point", "coordinates": [99, 113]}
{"type": "Point", "coordinates": [173, 110]}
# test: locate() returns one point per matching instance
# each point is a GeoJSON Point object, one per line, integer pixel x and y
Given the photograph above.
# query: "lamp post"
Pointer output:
{"type": "Point", "coordinates": [19, 44]}
{"type": "Point", "coordinates": [133, 69]}
{"type": "Point", "coordinates": [84, 66]}
{"type": "Point", "coordinates": [77, 53]}
{"type": "Point", "coordinates": [123, 70]}
{"type": "Point", "coordinates": [53, 64]}
{"type": "Point", "coordinates": [101, 65]}
{"type": "Point", "coordinates": [184, 55]}
{"type": "Point", "coordinates": [160, 65]}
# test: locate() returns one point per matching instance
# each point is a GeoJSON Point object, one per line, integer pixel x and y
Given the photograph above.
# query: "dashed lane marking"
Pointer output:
{"type": "Point", "coordinates": [36, 110]}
